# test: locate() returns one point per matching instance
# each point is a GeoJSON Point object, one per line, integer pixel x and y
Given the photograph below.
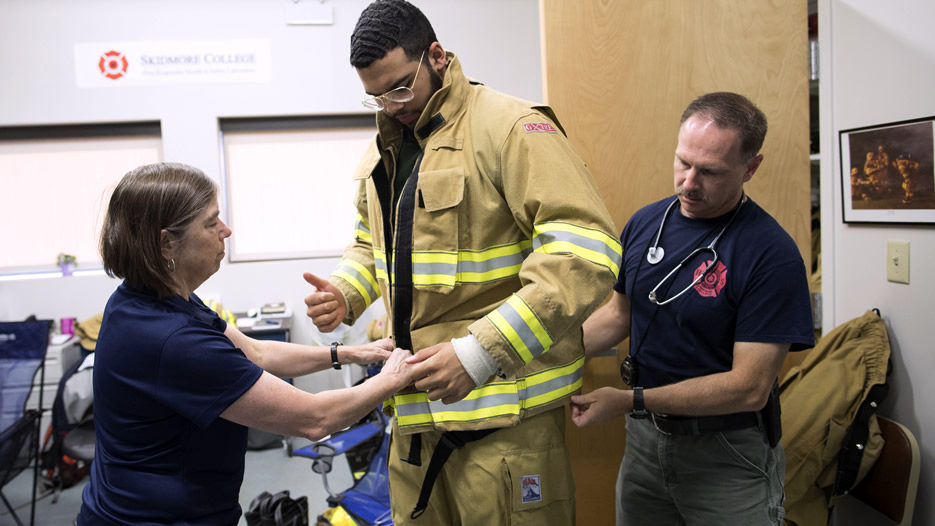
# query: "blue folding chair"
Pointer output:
{"type": "Point", "coordinates": [22, 353]}
{"type": "Point", "coordinates": [367, 502]}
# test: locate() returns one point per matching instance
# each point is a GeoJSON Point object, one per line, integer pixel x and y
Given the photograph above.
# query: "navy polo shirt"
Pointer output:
{"type": "Point", "coordinates": [163, 373]}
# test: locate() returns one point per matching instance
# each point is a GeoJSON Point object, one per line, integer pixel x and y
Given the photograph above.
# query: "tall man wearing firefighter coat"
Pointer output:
{"type": "Point", "coordinates": [489, 243]}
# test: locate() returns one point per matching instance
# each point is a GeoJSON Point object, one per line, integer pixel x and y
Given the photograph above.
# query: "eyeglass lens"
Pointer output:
{"type": "Point", "coordinates": [398, 95]}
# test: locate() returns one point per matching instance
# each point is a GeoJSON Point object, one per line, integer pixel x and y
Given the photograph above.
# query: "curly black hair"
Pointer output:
{"type": "Point", "coordinates": [385, 25]}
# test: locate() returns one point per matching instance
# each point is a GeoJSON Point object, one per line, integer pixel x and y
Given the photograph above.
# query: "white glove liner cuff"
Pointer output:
{"type": "Point", "coordinates": [474, 358]}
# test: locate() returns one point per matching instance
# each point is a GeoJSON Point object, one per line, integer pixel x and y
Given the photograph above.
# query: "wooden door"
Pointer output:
{"type": "Point", "coordinates": [619, 73]}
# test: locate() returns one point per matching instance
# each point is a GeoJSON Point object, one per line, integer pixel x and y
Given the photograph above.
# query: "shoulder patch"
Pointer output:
{"type": "Point", "coordinates": [541, 127]}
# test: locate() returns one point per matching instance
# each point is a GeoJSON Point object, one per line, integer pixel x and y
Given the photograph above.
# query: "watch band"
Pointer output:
{"type": "Point", "coordinates": [639, 407]}
{"type": "Point", "coordinates": [334, 355]}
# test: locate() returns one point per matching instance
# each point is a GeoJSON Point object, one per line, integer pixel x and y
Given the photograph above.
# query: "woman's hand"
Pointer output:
{"type": "Point", "coordinates": [372, 352]}
{"type": "Point", "coordinates": [397, 370]}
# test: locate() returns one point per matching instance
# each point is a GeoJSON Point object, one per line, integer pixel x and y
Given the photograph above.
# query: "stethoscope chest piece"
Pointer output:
{"type": "Point", "coordinates": [655, 255]}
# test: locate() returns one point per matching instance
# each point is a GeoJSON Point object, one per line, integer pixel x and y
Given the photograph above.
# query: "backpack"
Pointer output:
{"type": "Point", "coordinates": [277, 510]}
{"type": "Point", "coordinates": [58, 469]}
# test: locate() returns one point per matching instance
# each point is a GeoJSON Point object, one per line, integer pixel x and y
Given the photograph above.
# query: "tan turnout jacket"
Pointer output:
{"type": "Point", "coordinates": [510, 242]}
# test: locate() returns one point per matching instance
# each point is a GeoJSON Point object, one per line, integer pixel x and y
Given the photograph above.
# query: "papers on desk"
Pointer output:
{"type": "Point", "coordinates": [258, 324]}
{"type": "Point", "coordinates": [60, 339]}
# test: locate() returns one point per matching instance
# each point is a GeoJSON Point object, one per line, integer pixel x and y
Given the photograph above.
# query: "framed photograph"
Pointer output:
{"type": "Point", "coordinates": [888, 174]}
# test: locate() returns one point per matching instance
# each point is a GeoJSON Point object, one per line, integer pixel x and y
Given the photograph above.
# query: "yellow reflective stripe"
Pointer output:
{"type": "Point", "coordinates": [477, 414]}
{"type": "Point", "coordinates": [362, 229]}
{"type": "Point", "coordinates": [360, 278]}
{"type": "Point", "coordinates": [495, 252]}
{"type": "Point", "coordinates": [536, 401]}
{"type": "Point", "coordinates": [506, 330]}
{"type": "Point", "coordinates": [493, 263]}
{"type": "Point", "coordinates": [587, 243]}
{"type": "Point", "coordinates": [379, 263]}
{"type": "Point", "coordinates": [434, 268]}
{"type": "Point", "coordinates": [520, 326]}
{"type": "Point", "coordinates": [447, 258]}
{"type": "Point", "coordinates": [492, 400]}
{"type": "Point", "coordinates": [565, 380]}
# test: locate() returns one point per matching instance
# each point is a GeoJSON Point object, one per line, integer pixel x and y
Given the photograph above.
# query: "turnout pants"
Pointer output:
{"type": "Point", "coordinates": [514, 476]}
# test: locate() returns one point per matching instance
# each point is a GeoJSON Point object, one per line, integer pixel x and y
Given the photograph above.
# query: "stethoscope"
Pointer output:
{"type": "Point", "coordinates": [656, 253]}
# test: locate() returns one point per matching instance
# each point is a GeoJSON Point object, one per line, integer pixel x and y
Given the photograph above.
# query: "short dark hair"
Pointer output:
{"type": "Point", "coordinates": [147, 200]}
{"type": "Point", "coordinates": [732, 111]}
{"type": "Point", "coordinates": [385, 25]}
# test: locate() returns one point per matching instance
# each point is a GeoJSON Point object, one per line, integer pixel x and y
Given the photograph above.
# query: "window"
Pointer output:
{"type": "Point", "coordinates": [288, 184]}
{"type": "Point", "coordinates": [55, 182]}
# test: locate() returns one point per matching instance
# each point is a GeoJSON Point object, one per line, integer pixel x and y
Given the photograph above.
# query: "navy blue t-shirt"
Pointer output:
{"type": "Point", "coordinates": [758, 291]}
{"type": "Point", "coordinates": [163, 373]}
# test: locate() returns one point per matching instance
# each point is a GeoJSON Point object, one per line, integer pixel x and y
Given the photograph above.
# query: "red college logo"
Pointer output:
{"type": "Point", "coordinates": [113, 64]}
{"type": "Point", "coordinates": [713, 281]}
{"type": "Point", "coordinates": [541, 127]}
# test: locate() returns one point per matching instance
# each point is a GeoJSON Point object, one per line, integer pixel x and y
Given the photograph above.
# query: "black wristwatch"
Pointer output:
{"type": "Point", "coordinates": [639, 408]}
{"type": "Point", "coordinates": [334, 355]}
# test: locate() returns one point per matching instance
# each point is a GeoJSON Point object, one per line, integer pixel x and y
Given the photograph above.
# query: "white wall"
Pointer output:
{"type": "Point", "coordinates": [496, 40]}
{"type": "Point", "coordinates": [878, 66]}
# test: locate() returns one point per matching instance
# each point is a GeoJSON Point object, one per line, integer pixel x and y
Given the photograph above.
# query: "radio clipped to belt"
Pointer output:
{"type": "Point", "coordinates": [629, 371]}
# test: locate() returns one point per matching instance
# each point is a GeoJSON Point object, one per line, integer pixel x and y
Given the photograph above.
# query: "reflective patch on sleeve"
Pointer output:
{"type": "Point", "coordinates": [520, 326]}
{"type": "Point", "coordinates": [362, 229]}
{"type": "Point", "coordinates": [360, 278]}
{"type": "Point", "coordinates": [587, 243]}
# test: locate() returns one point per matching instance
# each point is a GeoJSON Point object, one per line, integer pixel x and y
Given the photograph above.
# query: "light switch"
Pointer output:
{"type": "Point", "coordinates": [897, 261]}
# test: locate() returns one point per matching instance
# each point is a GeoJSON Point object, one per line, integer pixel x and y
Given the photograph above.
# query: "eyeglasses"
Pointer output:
{"type": "Point", "coordinates": [399, 95]}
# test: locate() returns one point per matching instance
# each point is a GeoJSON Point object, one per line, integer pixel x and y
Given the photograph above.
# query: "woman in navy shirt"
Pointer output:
{"type": "Point", "coordinates": [175, 386]}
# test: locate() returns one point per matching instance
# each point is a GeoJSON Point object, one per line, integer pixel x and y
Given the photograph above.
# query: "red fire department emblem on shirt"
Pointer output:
{"type": "Point", "coordinates": [113, 64]}
{"type": "Point", "coordinates": [713, 281]}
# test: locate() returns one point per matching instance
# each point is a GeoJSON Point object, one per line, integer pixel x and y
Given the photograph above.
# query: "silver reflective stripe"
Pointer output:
{"type": "Point", "coordinates": [523, 330]}
{"type": "Point", "coordinates": [461, 406]}
{"type": "Point", "coordinates": [594, 245]}
{"type": "Point", "coordinates": [466, 266]}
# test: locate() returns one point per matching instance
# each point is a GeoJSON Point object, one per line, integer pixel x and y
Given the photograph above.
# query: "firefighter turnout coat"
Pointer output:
{"type": "Point", "coordinates": [499, 231]}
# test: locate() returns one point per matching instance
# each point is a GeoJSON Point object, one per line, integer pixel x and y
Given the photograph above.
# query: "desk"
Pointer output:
{"type": "Point", "coordinates": [257, 439]}
{"type": "Point", "coordinates": [261, 330]}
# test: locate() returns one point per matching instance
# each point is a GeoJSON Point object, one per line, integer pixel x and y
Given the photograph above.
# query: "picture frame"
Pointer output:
{"type": "Point", "coordinates": [888, 172]}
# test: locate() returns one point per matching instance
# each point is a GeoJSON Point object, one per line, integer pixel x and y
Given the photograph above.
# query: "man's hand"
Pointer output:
{"type": "Point", "coordinates": [600, 405]}
{"type": "Point", "coordinates": [438, 371]}
{"type": "Point", "coordinates": [326, 305]}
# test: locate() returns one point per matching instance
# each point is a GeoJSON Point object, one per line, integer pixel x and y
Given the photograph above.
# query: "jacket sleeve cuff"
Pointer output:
{"type": "Point", "coordinates": [498, 349]}
{"type": "Point", "coordinates": [350, 294]}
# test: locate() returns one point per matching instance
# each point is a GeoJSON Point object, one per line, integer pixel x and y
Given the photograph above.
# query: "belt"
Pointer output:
{"type": "Point", "coordinates": [680, 425]}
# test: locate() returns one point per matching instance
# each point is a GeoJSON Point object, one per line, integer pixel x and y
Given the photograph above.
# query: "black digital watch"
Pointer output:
{"type": "Point", "coordinates": [335, 364]}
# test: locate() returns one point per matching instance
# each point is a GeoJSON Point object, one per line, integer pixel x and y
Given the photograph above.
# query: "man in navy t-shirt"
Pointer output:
{"type": "Point", "coordinates": [712, 294]}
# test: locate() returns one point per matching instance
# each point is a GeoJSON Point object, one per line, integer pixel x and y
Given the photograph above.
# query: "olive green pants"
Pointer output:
{"type": "Point", "coordinates": [514, 476]}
